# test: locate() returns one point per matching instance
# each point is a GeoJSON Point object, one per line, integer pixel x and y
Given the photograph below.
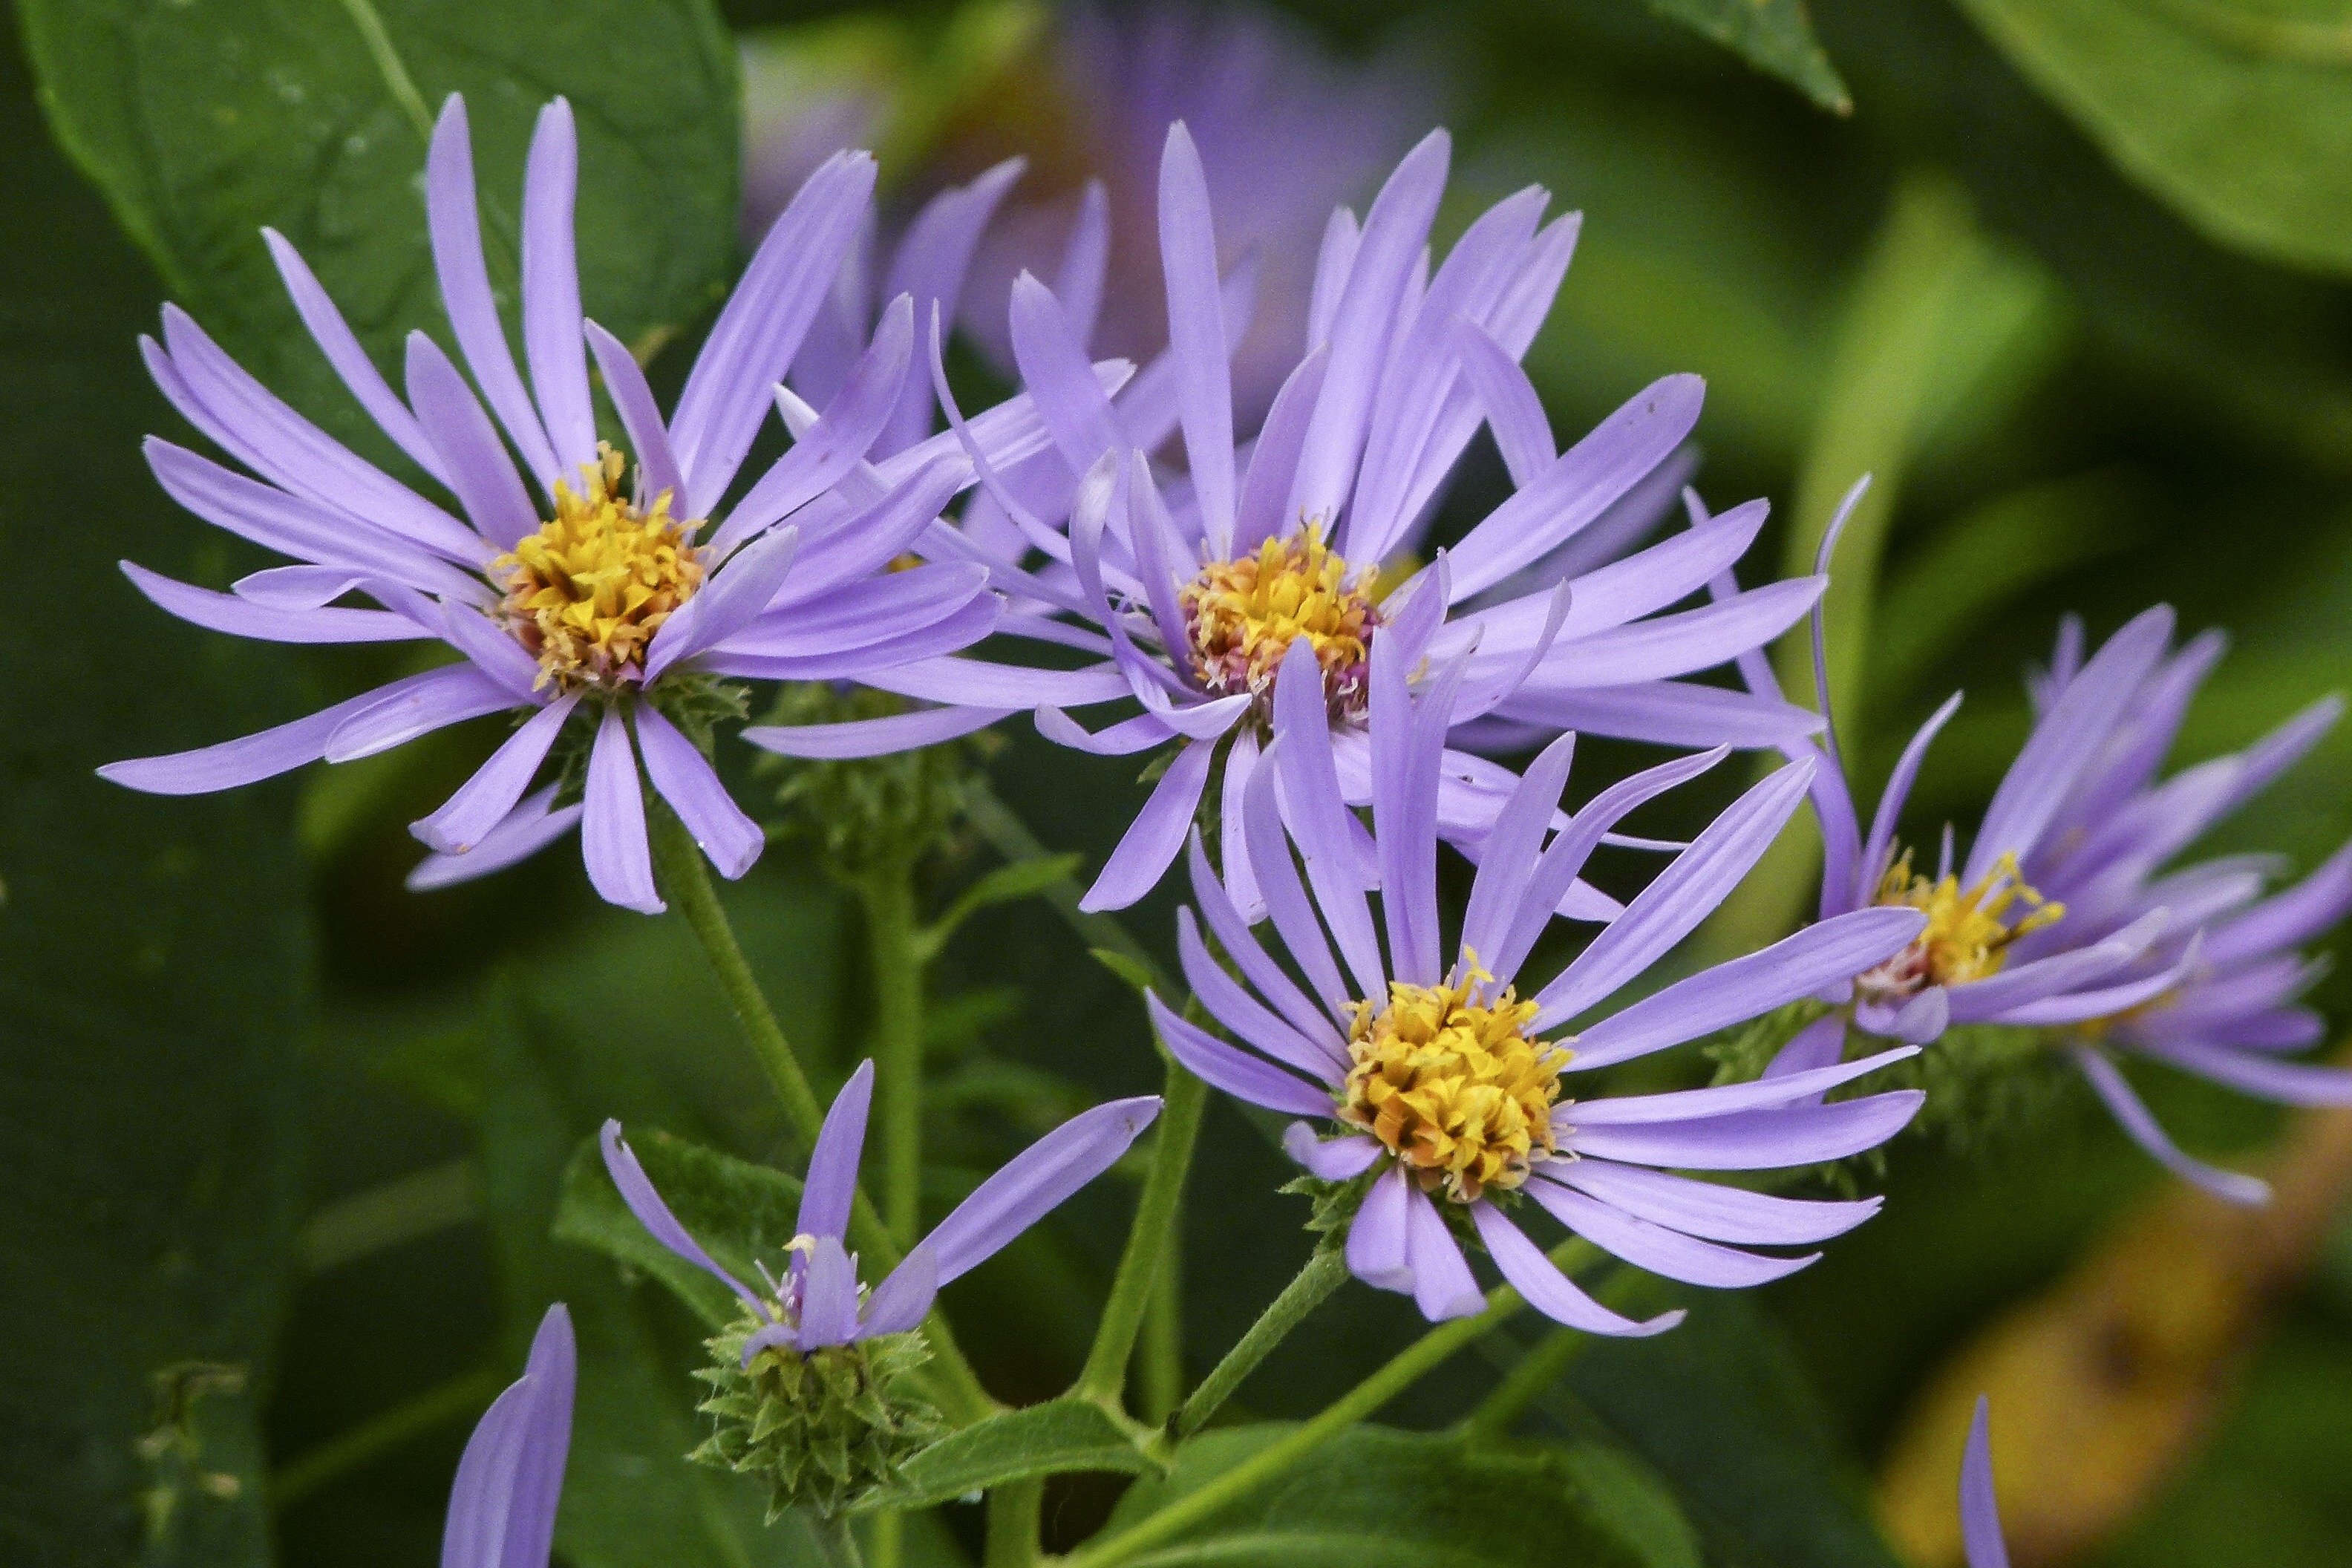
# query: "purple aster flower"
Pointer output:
{"type": "Point", "coordinates": [2068, 914]}
{"type": "Point", "coordinates": [1446, 1086]}
{"type": "Point", "coordinates": [591, 587]}
{"type": "Point", "coordinates": [502, 1504]}
{"type": "Point", "coordinates": [1195, 588]}
{"type": "Point", "coordinates": [820, 1301]}
{"type": "Point", "coordinates": [1980, 1511]}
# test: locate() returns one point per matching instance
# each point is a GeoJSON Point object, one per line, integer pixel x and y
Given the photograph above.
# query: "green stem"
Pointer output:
{"type": "Point", "coordinates": [1313, 1285]}
{"type": "Point", "coordinates": [1223, 1490]}
{"type": "Point", "coordinates": [380, 1435]}
{"type": "Point", "coordinates": [686, 881]}
{"type": "Point", "coordinates": [838, 1544]}
{"type": "Point", "coordinates": [1537, 1371]}
{"type": "Point", "coordinates": [1010, 837]}
{"type": "Point", "coordinates": [890, 896]}
{"type": "Point", "coordinates": [1149, 1239]}
{"type": "Point", "coordinates": [1015, 1512]}
{"type": "Point", "coordinates": [1159, 1353]}
{"type": "Point", "coordinates": [886, 1538]}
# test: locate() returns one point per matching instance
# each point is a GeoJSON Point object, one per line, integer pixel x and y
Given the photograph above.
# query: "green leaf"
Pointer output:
{"type": "Point", "coordinates": [1048, 1440]}
{"type": "Point", "coordinates": [1007, 884]}
{"type": "Point", "coordinates": [1721, 1408]}
{"type": "Point", "coordinates": [203, 122]}
{"type": "Point", "coordinates": [1375, 1497]}
{"type": "Point", "coordinates": [155, 955]}
{"type": "Point", "coordinates": [2230, 110]}
{"type": "Point", "coordinates": [1774, 35]}
{"type": "Point", "coordinates": [741, 1214]}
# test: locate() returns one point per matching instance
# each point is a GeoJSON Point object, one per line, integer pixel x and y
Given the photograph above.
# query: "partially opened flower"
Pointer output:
{"type": "Point", "coordinates": [815, 1359]}
{"type": "Point", "coordinates": [593, 590]}
{"type": "Point", "coordinates": [1979, 1510]}
{"type": "Point", "coordinates": [1197, 593]}
{"type": "Point", "coordinates": [502, 1502]}
{"type": "Point", "coordinates": [2068, 915]}
{"type": "Point", "coordinates": [1449, 1090]}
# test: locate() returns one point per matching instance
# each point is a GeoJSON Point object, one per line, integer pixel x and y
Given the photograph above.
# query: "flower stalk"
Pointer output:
{"type": "Point", "coordinates": [892, 942]}
{"type": "Point", "coordinates": [1324, 1272]}
{"type": "Point", "coordinates": [1400, 1373]}
{"type": "Point", "coordinates": [1150, 1241]}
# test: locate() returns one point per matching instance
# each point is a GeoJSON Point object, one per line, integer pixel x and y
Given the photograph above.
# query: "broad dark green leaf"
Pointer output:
{"type": "Point", "coordinates": [155, 955]}
{"type": "Point", "coordinates": [1721, 1408]}
{"type": "Point", "coordinates": [1049, 1439]}
{"type": "Point", "coordinates": [201, 122]}
{"type": "Point", "coordinates": [743, 1215]}
{"type": "Point", "coordinates": [1378, 1496]}
{"type": "Point", "coordinates": [1773, 36]}
{"type": "Point", "coordinates": [2230, 110]}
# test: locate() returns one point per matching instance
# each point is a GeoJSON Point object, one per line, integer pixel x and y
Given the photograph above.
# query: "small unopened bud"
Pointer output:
{"type": "Point", "coordinates": [821, 1428]}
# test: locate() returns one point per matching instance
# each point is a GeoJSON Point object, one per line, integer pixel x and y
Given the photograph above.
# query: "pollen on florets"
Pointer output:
{"type": "Point", "coordinates": [588, 591]}
{"type": "Point", "coordinates": [1969, 930]}
{"type": "Point", "coordinates": [1447, 1078]}
{"type": "Point", "coordinates": [820, 1428]}
{"type": "Point", "coordinates": [1242, 615]}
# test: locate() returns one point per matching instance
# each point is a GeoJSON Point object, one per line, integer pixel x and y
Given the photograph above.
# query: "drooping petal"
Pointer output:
{"type": "Point", "coordinates": [873, 737]}
{"type": "Point", "coordinates": [613, 830]}
{"type": "Point", "coordinates": [1443, 1285]}
{"type": "Point", "coordinates": [240, 616]}
{"type": "Point", "coordinates": [684, 777]}
{"type": "Point", "coordinates": [1548, 1290]}
{"type": "Point", "coordinates": [1379, 1248]}
{"type": "Point", "coordinates": [489, 798]}
{"type": "Point", "coordinates": [2141, 1126]}
{"type": "Point", "coordinates": [1153, 839]}
{"type": "Point", "coordinates": [1764, 1139]}
{"type": "Point", "coordinates": [528, 829]}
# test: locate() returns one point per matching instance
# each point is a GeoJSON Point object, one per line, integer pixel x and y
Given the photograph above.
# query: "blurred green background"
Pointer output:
{"type": "Point", "coordinates": [281, 1139]}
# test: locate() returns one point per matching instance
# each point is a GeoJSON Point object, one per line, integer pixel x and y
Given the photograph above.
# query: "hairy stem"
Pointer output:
{"type": "Point", "coordinates": [686, 880]}
{"type": "Point", "coordinates": [1309, 1288]}
{"type": "Point", "coordinates": [1530, 1380]}
{"type": "Point", "coordinates": [886, 1538]}
{"type": "Point", "coordinates": [1404, 1369]}
{"type": "Point", "coordinates": [1148, 1240]}
{"type": "Point", "coordinates": [889, 896]}
{"type": "Point", "coordinates": [1159, 1353]}
{"type": "Point", "coordinates": [1015, 1512]}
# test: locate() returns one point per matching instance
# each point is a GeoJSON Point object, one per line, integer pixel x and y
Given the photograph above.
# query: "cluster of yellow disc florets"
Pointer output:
{"type": "Point", "coordinates": [1242, 615]}
{"type": "Point", "coordinates": [587, 592]}
{"type": "Point", "coordinates": [1969, 930]}
{"type": "Point", "coordinates": [1452, 1086]}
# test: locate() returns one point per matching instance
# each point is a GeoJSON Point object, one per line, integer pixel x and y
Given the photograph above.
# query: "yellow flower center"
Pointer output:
{"type": "Point", "coordinates": [588, 591]}
{"type": "Point", "coordinates": [1245, 615]}
{"type": "Point", "coordinates": [1452, 1086]}
{"type": "Point", "coordinates": [1969, 930]}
